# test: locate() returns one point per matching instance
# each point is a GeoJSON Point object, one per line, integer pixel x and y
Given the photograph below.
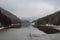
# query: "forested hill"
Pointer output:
{"type": "Point", "coordinates": [14, 18]}
{"type": "Point", "coordinates": [54, 18]}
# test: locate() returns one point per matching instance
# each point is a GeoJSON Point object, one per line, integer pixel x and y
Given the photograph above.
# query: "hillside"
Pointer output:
{"type": "Point", "coordinates": [50, 19]}
{"type": "Point", "coordinates": [14, 19]}
{"type": "Point", "coordinates": [43, 23]}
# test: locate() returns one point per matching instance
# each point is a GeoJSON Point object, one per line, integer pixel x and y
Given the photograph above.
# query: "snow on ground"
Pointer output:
{"type": "Point", "coordinates": [1, 28]}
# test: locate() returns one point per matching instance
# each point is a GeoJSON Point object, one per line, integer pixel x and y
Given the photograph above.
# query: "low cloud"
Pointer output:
{"type": "Point", "coordinates": [30, 8]}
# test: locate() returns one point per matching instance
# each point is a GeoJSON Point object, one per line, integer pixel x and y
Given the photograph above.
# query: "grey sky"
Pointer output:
{"type": "Point", "coordinates": [30, 8]}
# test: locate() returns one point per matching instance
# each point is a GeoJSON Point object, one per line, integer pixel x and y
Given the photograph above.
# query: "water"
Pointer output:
{"type": "Point", "coordinates": [22, 34]}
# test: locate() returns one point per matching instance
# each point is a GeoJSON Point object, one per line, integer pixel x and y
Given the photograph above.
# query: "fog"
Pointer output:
{"type": "Point", "coordinates": [30, 8]}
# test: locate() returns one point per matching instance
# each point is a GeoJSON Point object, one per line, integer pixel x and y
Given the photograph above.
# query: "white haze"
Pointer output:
{"type": "Point", "coordinates": [30, 8]}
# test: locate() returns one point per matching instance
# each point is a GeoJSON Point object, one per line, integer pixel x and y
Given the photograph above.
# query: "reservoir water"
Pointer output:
{"type": "Point", "coordinates": [25, 33]}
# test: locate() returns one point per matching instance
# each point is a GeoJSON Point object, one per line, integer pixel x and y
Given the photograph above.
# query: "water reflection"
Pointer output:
{"type": "Point", "coordinates": [18, 34]}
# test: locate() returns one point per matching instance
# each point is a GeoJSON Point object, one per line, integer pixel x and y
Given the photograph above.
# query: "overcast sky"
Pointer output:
{"type": "Point", "coordinates": [31, 8]}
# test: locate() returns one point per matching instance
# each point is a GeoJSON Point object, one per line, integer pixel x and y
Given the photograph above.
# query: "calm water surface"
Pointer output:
{"type": "Point", "coordinates": [17, 33]}
{"type": "Point", "coordinates": [13, 34]}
